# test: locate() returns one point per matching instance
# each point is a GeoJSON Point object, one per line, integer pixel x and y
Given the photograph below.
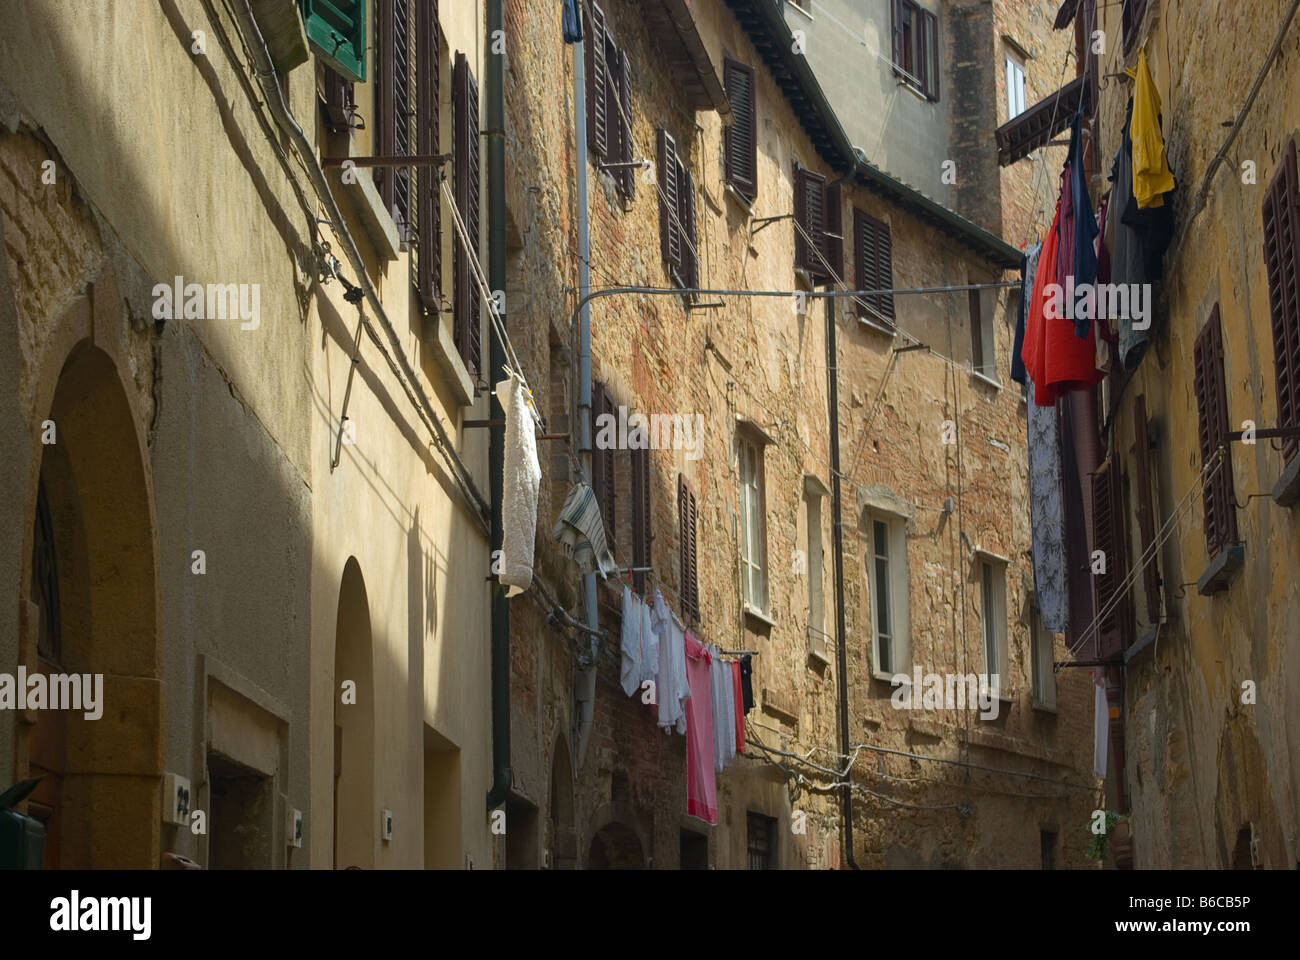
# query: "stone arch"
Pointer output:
{"type": "Point", "coordinates": [1244, 812]}
{"type": "Point", "coordinates": [355, 815]}
{"type": "Point", "coordinates": [562, 841]}
{"type": "Point", "coordinates": [90, 593]}
{"type": "Point", "coordinates": [619, 844]}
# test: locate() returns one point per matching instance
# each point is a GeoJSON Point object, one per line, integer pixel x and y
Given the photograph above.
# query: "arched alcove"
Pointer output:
{"type": "Point", "coordinates": [563, 839]}
{"type": "Point", "coordinates": [355, 816]}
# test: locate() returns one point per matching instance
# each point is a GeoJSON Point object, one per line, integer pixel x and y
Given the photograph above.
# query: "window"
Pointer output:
{"type": "Point", "coordinates": [467, 316]}
{"type": "Point", "coordinates": [741, 137]}
{"type": "Point", "coordinates": [602, 458]}
{"type": "Point", "coordinates": [753, 532]}
{"type": "Point", "coordinates": [694, 851]}
{"type": "Point", "coordinates": [1015, 85]}
{"type": "Point", "coordinates": [813, 493]}
{"type": "Point", "coordinates": [916, 47]}
{"type": "Point", "coordinates": [1281, 254]}
{"type": "Point", "coordinates": [761, 841]}
{"type": "Point", "coordinates": [1042, 653]}
{"type": "Point", "coordinates": [394, 111]}
{"type": "Point", "coordinates": [641, 535]}
{"type": "Point", "coordinates": [983, 350]}
{"type": "Point", "coordinates": [609, 102]}
{"type": "Point", "coordinates": [1218, 497]}
{"type": "Point", "coordinates": [1146, 513]}
{"type": "Point", "coordinates": [1111, 598]}
{"type": "Point", "coordinates": [428, 221]}
{"type": "Point", "coordinates": [676, 214]}
{"type": "Point", "coordinates": [1047, 846]}
{"type": "Point", "coordinates": [686, 522]}
{"type": "Point", "coordinates": [819, 232]}
{"type": "Point", "coordinates": [337, 30]}
{"type": "Point", "coordinates": [993, 622]}
{"type": "Point", "coordinates": [873, 267]}
{"type": "Point", "coordinates": [887, 575]}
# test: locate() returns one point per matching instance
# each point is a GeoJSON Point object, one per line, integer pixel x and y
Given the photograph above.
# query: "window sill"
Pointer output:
{"type": "Point", "coordinates": [753, 613]}
{"type": "Point", "coordinates": [985, 379]}
{"type": "Point", "coordinates": [1040, 707]}
{"type": "Point", "coordinates": [871, 322]}
{"type": "Point", "coordinates": [739, 198]}
{"type": "Point", "coordinates": [914, 90]}
{"type": "Point", "coordinates": [449, 359]}
{"type": "Point", "coordinates": [1219, 573]}
{"type": "Point", "coordinates": [1137, 647]}
{"type": "Point", "coordinates": [806, 13]}
{"type": "Point", "coordinates": [376, 219]}
{"type": "Point", "coordinates": [1286, 492]}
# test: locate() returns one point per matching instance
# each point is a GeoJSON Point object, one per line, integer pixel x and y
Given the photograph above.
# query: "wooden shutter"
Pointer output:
{"type": "Point", "coordinates": [932, 53]}
{"type": "Point", "coordinates": [1218, 497]}
{"type": "Point", "coordinates": [686, 215]}
{"type": "Point", "coordinates": [467, 323]}
{"type": "Point", "coordinates": [810, 215]}
{"type": "Point", "coordinates": [337, 31]}
{"type": "Point", "coordinates": [741, 140]}
{"type": "Point", "coordinates": [602, 461]}
{"type": "Point", "coordinates": [686, 518]}
{"type": "Point", "coordinates": [873, 261]}
{"type": "Point", "coordinates": [1282, 264]}
{"type": "Point", "coordinates": [429, 212]}
{"type": "Point", "coordinates": [593, 38]}
{"type": "Point", "coordinates": [1108, 537]}
{"type": "Point", "coordinates": [1145, 509]}
{"type": "Point", "coordinates": [339, 102]}
{"type": "Point", "coordinates": [393, 126]}
{"type": "Point", "coordinates": [670, 241]}
{"type": "Point", "coordinates": [896, 16]}
{"type": "Point", "coordinates": [1132, 20]}
{"type": "Point", "coordinates": [613, 98]}
{"type": "Point", "coordinates": [626, 175]}
{"type": "Point", "coordinates": [833, 235]}
{"type": "Point", "coordinates": [641, 532]}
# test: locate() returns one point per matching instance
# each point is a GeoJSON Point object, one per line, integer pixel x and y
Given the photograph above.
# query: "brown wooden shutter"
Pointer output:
{"type": "Point", "coordinates": [833, 235]}
{"type": "Point", "coordinates": [429, 219]}
{"type": "Point", "coordinates": [1282, 265]}
{"type": "Point", "coordinates": [641, 531]}
{"type": "Point", "coordinates": [602, 461]}
{"type": "Point", "coordinates": [613, 119]}
{"type": "Point", "coordinates": [1145, 509]}
{"type": "Point", "coordinates": [626, 176]}
{"type": "Point", "coordinates": [593, 39]}
{"type": "Point", "coordinates": [1108, 537]}
{"type": "Point", "coordinates": [1218, 497]}
{"type": "Point", "coordinates": [467, 325]}
{"type": "Point", "coordinates": [686, 518]}
{"type": "Point", "coordinates": [873, 261]}
{"type": "Point", "coordinates": [670, 241]}
{"type": "Point", "coordinates": [686, 214]}
{"type": "Point", "coordinates": [933, 53]}
{"type": "Point", "coordinates": [741, 138]}
{"type": "Point", "coordinates": [339, 102]}
{"type": "Point", "coordinates": [810, 215]}
{"type": "Point", "coordinates": [896, 16]}
{"type": "Point", "coordinates": [393, 120]}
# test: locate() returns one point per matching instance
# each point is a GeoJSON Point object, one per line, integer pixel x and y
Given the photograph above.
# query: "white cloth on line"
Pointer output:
{"type": "Point", "coordinates": [630, 668]}
{"type": "Point", "coordinates": [581, 532]}
{"type": "Point", "coordinates": [1100, 730]}
{"type": "Point", "coordinates": [671, 687]}
{"type": "Point", "coordinates": [724, 746]}
{"type": "Point", "coordinates": [521, 481]}
{"type": "Point", "coordinates": [649, 645]}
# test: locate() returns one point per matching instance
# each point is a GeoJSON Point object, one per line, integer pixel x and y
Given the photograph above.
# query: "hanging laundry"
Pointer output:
{"type": "Point", "coordinates": [1028, 261]}
{"type": "Point", "coordinates": [671, 688]}
{"type": "Point", "coordinates": [738, 700]}
{"type": "Point", "coordinates": [729, 710]}
{"type": "Point", "coordinates": [1152, 177]}
{"type": "Point", "coordinates": [649, 645]}
{"type": "Point", "coordinates": [630, 671]}
{"type": "Point", "coordinates": [719, 684]}
{"type": "Point", "coordinates": [1084, 249]}
{"type": "Point", "coordinates": [1045, 518]}
{"type": "Point", "coordinates": [747, 681]}
{"type": "Point", "coordinates": [570, 22]}
{"type": "Point", "coordinates": [521, 481]}
{"type": "Point", "coordinates": [701, 785]}
{"type": "Point", "coordinates": [581, 532]}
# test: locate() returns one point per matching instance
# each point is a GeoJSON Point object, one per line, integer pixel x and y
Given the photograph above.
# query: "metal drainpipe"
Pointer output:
{"type": "Point", "coordinates": [837, 541]}
{"type": "Point", "coordinates": [496, 205]}
{"type": "Point", "coordinates": [584, 692]}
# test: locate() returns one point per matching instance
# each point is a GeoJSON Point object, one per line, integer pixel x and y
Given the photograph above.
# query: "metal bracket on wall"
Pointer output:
{"type": "Point", "coordinates": [767, 221]}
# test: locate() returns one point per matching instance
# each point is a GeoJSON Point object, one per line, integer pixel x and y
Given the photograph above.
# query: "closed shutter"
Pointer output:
{"type": "Point", "coordinates": [626, 175]}
{"type": "Point", "coordinates": [833, 236]}
{"type": "Point", "coordinates": [742, 136]}
{"type": "Point", "coordinates": [393, 74]}
{"type": "Point", "coordinates": [593, 38]}
{"type": "Point", "coordinates": [613, 119]}
{"type": "Point", "coordinates": [641, 534]}
{"type": "Point", "coordinates": [1218, 497]}
{"type": "Point", "coordinates": [1282, 264]}
{"type": "Point", "coordinates": [337, 31]}
{"type": "Point", "coordinates": [602, 460]}
{"type": "Point", "coordinates": [429, 219]}
{"type": "Point", "coordinates": [810, 216]}
{"type": "Point", "coordinates": [467, 323]}
{"type": "Point", "coordinates": [896, 17]}
{"type": "Point", "coordinates": [932, 53]}
{"type": "Point", "coordinates": [1146, 509]}
{"type": "Point", "coordinates": [1109, 591]}
{"type": "Point", "coordinates": [686, 519]}
{"type": "Point", "coordinates": [670, 241]}
{"type": "Point", "coordinates": [873, 262]}
{"type": "Point", "coordinates": [686, 215]}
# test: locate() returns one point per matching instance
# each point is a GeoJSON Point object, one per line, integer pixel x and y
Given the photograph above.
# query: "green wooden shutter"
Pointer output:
{"type": "Point", "coordinates": [337, 29]}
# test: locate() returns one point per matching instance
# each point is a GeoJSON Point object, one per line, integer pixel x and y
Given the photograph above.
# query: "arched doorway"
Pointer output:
{"type": "Point", "coordinates": [355, 816]}
{"type": "Point", "coordinates": [563, 840]}
{"type": "Point", "coordinates": [615, 847]}
{"type": "Point", "coordinates": [92, 586]}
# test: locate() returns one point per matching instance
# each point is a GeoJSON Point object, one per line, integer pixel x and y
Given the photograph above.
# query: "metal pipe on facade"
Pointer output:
{"type": "Point", "coordinates": [496, 206]}
{"type": "Point", "coordinates": [270, 84]}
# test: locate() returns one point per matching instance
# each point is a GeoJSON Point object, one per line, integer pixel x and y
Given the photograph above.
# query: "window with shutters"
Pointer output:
{"type": "Point", "coordinates": [1110, 569]}
{"type": "Point", "coordinates": [428, 140]}
{"type": "Point", "coordinates": [609, 102]}
{"type": "Point", "coordinates": [753, 524]}
{"type": "Point", "coordinates": [1041, 655]}
{"type": "Point", "coordinates": [761, 841]}
{"type": "Point", "coordinates": [741, 138]}
{"type": "Point", "coordinates": [336, 30]}
{"type": "Point", "coordinates": [642, 534]}
{"type": "Point", "coordinates": [1015, 84]}
{"type": "Point", "coordinates": [917, 60]}
{"type": "Point", "coordinates": [1282, 264]}
{"type": "Point", "coordinates": [983, 346]}
{"type": "Point", "coordinates": [1146, 514]}
{"type": "Point", "coordinates": [686, 524]}
{"type": "Point", "coordinates": [873, 268]}
{"type": "Point", "coordinates": [467, 325]}
{"type": "Point", "coordinates": [395, 109]}
{"type": "Point", "coordinates": [993, 623]}
{"type": "Point", "coordinates": [889, 591]}
{"type": "Point", "coordinates": [677, 240]}
{"type": "Point", "coordinates": [1219, 499]}
{"type": "Point", "coordinates": [602, 456]}
{"type": "Point", "coordinates": [818, 232]}
{"type": "Point", "coordinates": [814, 568]}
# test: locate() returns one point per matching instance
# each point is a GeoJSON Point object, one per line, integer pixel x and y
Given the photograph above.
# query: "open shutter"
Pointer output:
{"type": "Point", "coordinates": [686, 215]}
{"type": "Point", "coordinates": [339, 102]}
{"type": "Point", "coordinates": [693, 526]}
{"type": "Point", "coordinates": [467, 316]}
{"type": "Point", "coordinates": [337, 31]}
{"type": "Point", "coordinates": [1146, 509]}
{"type": "Point", "coordinates": [1109, 590]}
{"type": "Point", "coordinates": [742, 136]}
{"type": "Point", "coordinates": [429, 219]}
{"type": "Point", "coordinates": [593, 38]}
{"type": "Point", "coordinates": [932, 53]}
{"type": "Point", "coordinates": [670, 241]}
{"type": "Point", "coordinates": [626, 175]}
{"type": "Point", "coordinates": [896, 17]}
{"type": "Point", "coordinates": [686, 517]}
{"type": "Point", "coordinates": [1218, 497]}
{"type": "Point", "coordinates": [640, 515]}
{"type": "Point", "coordinates": [602, 461]}
{"type": "Point", "coordinates": [1282, 265]}
{"type": "Point", "coordinates": [833, 237]}
{"type": "Point", "coordinates": [810, 215]}
{"type": "Point", "coordinates": [393, 75]}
